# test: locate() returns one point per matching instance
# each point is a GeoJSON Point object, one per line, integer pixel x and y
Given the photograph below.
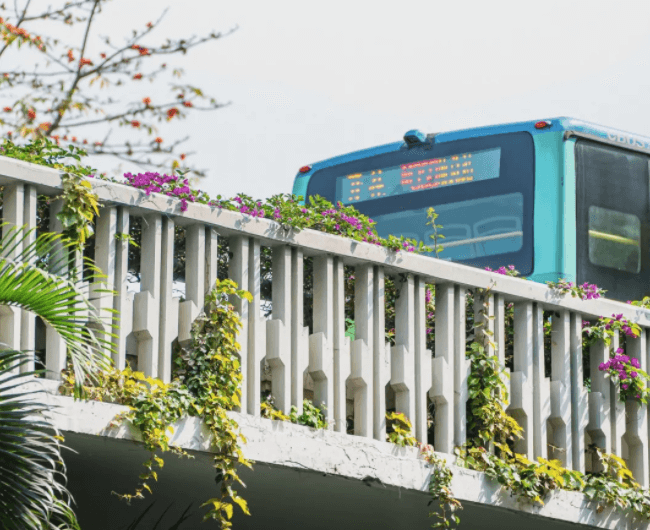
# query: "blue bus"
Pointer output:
{"type": "Point", "coordinates": [557, 198]}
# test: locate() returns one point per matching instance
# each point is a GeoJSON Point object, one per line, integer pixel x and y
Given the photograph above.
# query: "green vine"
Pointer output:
{"type": "Point", "coordinates": [206, 384]}
{"type": "Point", "coordinates": [400, 430]}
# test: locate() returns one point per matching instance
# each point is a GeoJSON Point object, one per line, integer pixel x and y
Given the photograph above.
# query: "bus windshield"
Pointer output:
{"type": "Point", "coordinates": [481, 188]}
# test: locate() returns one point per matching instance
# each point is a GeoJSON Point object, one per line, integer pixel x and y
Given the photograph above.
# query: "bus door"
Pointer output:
{"type": "Point", "coordinates": [613, 210]}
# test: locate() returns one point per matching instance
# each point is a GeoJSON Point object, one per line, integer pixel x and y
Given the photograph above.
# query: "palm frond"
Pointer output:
{"type": "Point", "coordinates": [33, 495]}
{"type": "Point", "coordinates": [55, 295]}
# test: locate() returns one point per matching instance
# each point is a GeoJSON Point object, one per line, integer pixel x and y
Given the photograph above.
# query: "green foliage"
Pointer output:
{"type": "Point", "coordinates": [206, 384]}
{"type": "Point", "coordinates": [400, 430]}
{"type": "Point", "coordinates": [440, 489]}
{"type": "Point", "coordinates": [311, 415]}
{"type": "Point", "coordinates": [431, 221]}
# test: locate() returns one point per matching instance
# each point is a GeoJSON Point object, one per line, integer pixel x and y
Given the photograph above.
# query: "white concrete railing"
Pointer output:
{"type": "Point", "coordinates": [555, 412]}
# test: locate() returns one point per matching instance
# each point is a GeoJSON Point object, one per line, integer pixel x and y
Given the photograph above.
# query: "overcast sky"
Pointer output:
{"type": "Point", "coordinates": [309, 80]}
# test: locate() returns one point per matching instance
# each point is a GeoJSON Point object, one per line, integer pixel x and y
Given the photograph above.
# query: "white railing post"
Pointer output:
{"type": "Point", "coordinates": [300, 346]}
{"type": "Point", "coordinates": [423, 367]}
{"type": "Point", "coordinates": [256, 328]}
{"type": "Point", "coordinates": [12, 212]}
{"type": "Point", "coordinates": [560, 418]}
{"type": "Point", "coordinates": [636, 433]}
{"type": "Point", "coordinates": [105, 255]}
{"type": "Point", "coordinates": [321, 352]}
{"type": "Point", "coordinates": [195, 277]}
{"type": "Point", "coordinates": [55, 348]}
{"type": "Point", "coordinates": [442, 391]}
{"type": "Point", "coordinates": [169, 306]}
{"type": "Point", "coordinates": [402, 361]}
{"type": "Point", "coordinates": [462, 365]}
{"type": "Point", "coordinates": [146, 306]}
{"type": "Point", "coordinates": [27, 319]}
{"type": "Point", "coordinates": [381, 356]}
{"type": "Point", "coordinates": [521, 403]}
{"type": "Point", "coordinates": [541, 387]}
{"type": "Point", "coordinates": [120, 301]}
{"type": "Point", "coordinates": [342, 361]}
{"type": "Point", "coordinates": [617, 409]}
{"type": "Point", "coordinates": [579, 397]}
{"type": "Point", "coordinates": [238, 271]}
{"type": "Point", "coordinates": [278, 330]}
{"type": "Point", "coordinates": [500, 340]}
{"type": "Point", "coordinates": [361, 377]}
{"type": "Point", "coordinates": [599, 428]}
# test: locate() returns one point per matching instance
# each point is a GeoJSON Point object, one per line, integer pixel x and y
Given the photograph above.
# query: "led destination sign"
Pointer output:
{"type": "Point", "coordinates": [422, 175]}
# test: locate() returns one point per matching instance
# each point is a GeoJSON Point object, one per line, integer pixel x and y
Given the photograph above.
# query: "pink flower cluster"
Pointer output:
{"type": "Point", "coordinates": [625, 325]}
{"type": "Point", "coordinates": [169, 185]}
{"type": "Point", "coordinates": [256, 211]}
{"type": "Point", "coordinates": [502, 270]}
{"type": "Point", "coordinates": [626, 370]}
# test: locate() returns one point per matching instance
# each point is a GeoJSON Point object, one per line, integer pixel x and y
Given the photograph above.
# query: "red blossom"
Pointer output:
{"type": "Point", "coordinates": [74, 139]}
{"type": "Point", "coordinates": [135, 123]}
{"type": "Point", "coordinates": [45, 125]}
{"type": "Point", "coordinates": [83, 61]}
{"type": "Point", "coordinates": [149, 24]}
{"type": "Point", "coordinates": [188, 103]}
{"type": "Point", "coordinates": [158, 140]}
{"type": "Point", "coordinates": [31, 114]}
{"type": "Point", "coordinates": [137, 76]}
{"type": "Point", "coordinates": [98, 143]}
{"type": "Point", "coordinates": [85, 141]}
{"type": "Point", "coordinates": [70, 56]}
{"type": "Point", "coordinates": [183, 156]}
{"type": "Point", "coordinates": [102, 55]}
{"type": "Point", "coordinates": [146, 101]}
{"type": "Point", "coordinates": [7, 109]}
{"type": "Point", "coordinates": [144, 51]}
{"type": "Point", "coordinates": [171, 113]}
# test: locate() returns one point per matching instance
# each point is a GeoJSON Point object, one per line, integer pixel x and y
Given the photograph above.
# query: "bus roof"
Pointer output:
{"type": "Point", "coordinates": [556, 125]}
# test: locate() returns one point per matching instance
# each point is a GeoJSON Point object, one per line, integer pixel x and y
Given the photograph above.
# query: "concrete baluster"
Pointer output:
{"type": "Point", "coordinates": [278, 330]}
{"type": "Point", "coordinates": [462, 365]}
{"type": "Point", "coordinates": [599, 427]}
{"type": "Point", "coordinates": [636, 433]}
{"type": "Point", "coordinates": [442, 391]}
{"type": "Point", "coordinates": [361, 377]}
{"type": "Point", "coordinates": [120, 326]}
{"type": "Point", "coordinates": [617, 409]}
{"type": "Point", "coordinates": [55, 347]}
{"type": "Point", "coordinates": [579, 396]}
{"type": "Point", "coordinates": [321, 351]}
{"type": "Point", "coordinates": [541, 387]}
{"type": "Point", "coordinates": [422, 358]}
{"type": "Point", "coordinates": [169, 306]}
{"type": "Point", "coordinates": [402, 362]}
{"type": "Point", "coordinates": [300, 341]}
{"type": "Point", "coordinates": [560, 418]}
{"type": "Point", "coordinates": [28, 319]}
{"type": "Point", "coordinates": [211, 258]}
{"type": "Point", "coordinates": [521, 399]}
{"type": "Point", "coordinates": [146, 305]}
{"type": "Point", "coordinates": [12, 211]}
{"type": "Point", "coordinates": [238, 271]}
{"type": "Point", "coordinates": [342, 361]}
{"type": "Point", "coordinates": [195, 278]}
{"type": "Point", "coordinates": [500, 339]}
{"type": "Point", "coordinates": [381, 361]}
{"type": "Point", "coordinates": [256, 329]}
{"type": "Point", "coordinates": [105, 254]}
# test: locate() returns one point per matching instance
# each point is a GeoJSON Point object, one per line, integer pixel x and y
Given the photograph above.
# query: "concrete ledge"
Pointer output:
{"type": "Point", "coordinates": [379, 464]}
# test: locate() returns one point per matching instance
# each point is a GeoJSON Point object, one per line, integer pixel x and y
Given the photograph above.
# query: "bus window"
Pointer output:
{"type": "Point", "coordinates": [612, 214]}
{"type": "Point", "coordinates": [614, 239]}
{"type": "Point", "coordinates": [482, 189]}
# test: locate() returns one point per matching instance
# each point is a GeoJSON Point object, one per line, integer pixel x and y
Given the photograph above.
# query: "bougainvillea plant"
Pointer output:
{"type": "Point", "coordinates": [586, 291]}
{"type": "Point", "coordinates": [626, 372]}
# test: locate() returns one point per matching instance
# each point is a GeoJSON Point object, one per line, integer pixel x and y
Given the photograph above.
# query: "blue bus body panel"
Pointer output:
{"type": "Point", "coordinates": [554, 226]}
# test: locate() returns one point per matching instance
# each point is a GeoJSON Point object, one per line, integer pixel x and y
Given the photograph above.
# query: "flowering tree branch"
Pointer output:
{"type": "Point", "coordinates": [60, 97]}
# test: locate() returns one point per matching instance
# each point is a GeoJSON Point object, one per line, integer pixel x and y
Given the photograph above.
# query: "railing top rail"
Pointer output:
{"type": "Point", "coordinates": [47, 181]}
